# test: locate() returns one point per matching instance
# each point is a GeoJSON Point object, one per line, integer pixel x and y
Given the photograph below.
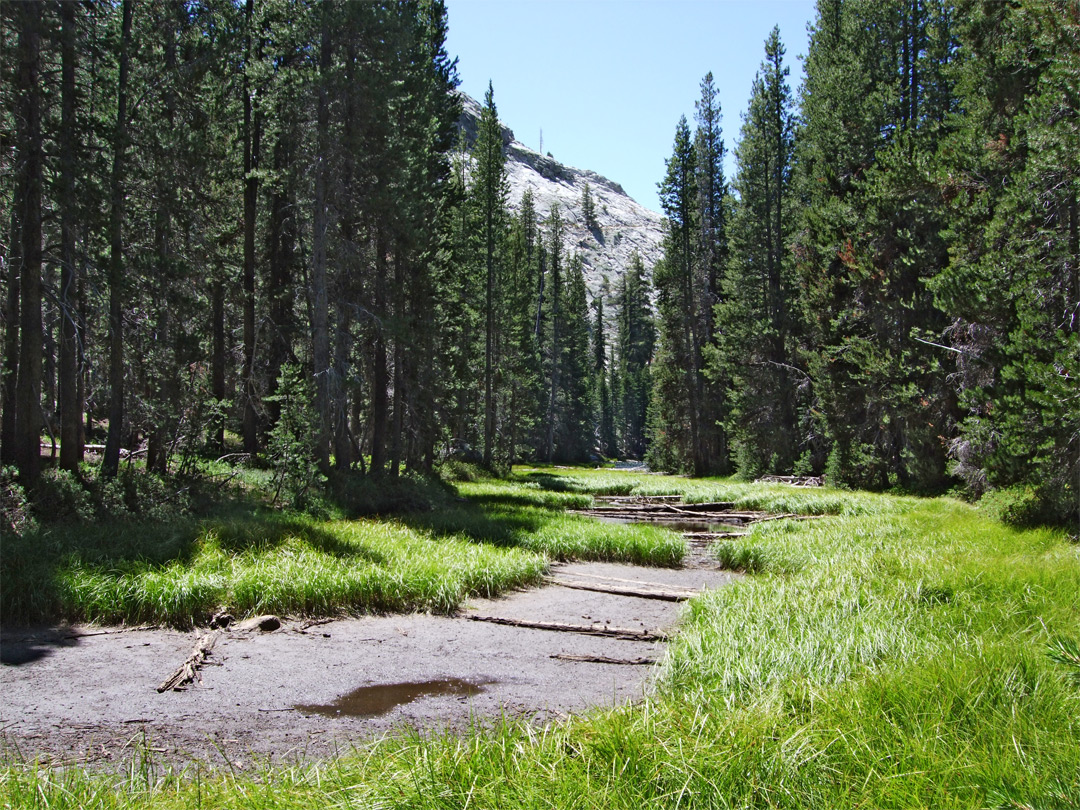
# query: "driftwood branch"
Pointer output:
{"type": "Point", "coordinates": [623, 590]}
{"type": "Point", "coordinates": [603, 659]}
{"type": "Point", "coordinates": [189, 670]}
{"type": "Point", "coordinates": [624, 633]}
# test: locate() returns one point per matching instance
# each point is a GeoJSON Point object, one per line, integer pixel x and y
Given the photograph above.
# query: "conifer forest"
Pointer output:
{"type": "Point", "coordinates": [255, 229]}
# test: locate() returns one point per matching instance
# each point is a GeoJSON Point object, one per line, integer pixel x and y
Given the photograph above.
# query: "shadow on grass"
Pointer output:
{"type": "Point", "coordinates": [33, 565]}
{"type": "Point", "coordinates": [499, 527]}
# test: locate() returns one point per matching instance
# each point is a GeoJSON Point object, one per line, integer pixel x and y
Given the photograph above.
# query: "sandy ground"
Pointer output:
{"type": "Point", "coordinates": [88, 695]}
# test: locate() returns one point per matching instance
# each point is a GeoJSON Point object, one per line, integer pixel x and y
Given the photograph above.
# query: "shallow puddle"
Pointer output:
{"type": "Point", "coordinates": [372, 701]}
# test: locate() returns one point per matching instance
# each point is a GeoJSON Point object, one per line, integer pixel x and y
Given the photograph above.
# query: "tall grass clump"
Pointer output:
{"type": "Point", "coordinates": [180, 575]}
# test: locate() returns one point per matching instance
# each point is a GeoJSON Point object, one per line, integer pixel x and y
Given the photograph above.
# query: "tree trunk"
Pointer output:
{"type": "Point", "coordinates": [28, 389]}
{"type": "Point", "coordinates": [320, 328]}
{"type": "Point", "coordinates": [343, 445]}
{"type": "Point", "coordinates": [379, 379]}
{"type": "Point", "coordinates": [282, 252]}
{"type": "Point", "coordinates": [252, 133]}
{"type": "Point", "coordinates": [217, 361]}
{"type": "Point", "coordinates": [70, 405]}
{"type": "Point", "coordinates": [110, 463]}
{"type": "Point", "coordinates": [11, 324]}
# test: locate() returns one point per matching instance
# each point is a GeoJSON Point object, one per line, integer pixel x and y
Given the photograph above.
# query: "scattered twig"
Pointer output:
{"type": "Point", "coordinates": [315, 623]}
{"type": "Point", "coordinates": [602, 659]}
{"type": "Point", "coordinates": [624, 633]}
{"type": "Point", "coordinates": [621, 590]}
{"type": "Point", "coordinates": [114, 632]}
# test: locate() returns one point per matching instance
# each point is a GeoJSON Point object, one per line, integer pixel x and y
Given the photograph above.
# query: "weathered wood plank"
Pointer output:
{"type": "Point", "coordinates": [624, 633]}
{"type": "Point", "coordinates": [603, 659]}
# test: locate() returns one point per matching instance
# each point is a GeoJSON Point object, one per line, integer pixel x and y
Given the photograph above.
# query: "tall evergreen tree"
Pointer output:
{"type": "Point", "coordinates": [712, 257]}
{"type": "Point", "coordinates": [1011, 176]}
{"type": "Point", "coordinates": [489, 192]}
{"type": "Point", "coordinates": [759, 307]}
{"type": "Point", "coordinates": [675, 421]}
{"type": "Point", "coordinates": [553, 339]}
{"type": "Point", "coordinates": [876, 95]}
{"type": "Point", "coordinates": [635, 340]}
{"type": "Point", "coordinates": [602, 400]}
{"type": "Point", "coordinates": [575, 435]}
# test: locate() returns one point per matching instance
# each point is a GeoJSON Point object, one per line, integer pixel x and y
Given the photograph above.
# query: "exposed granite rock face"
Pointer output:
{"type": "Point", "coordinates": [624, 225]}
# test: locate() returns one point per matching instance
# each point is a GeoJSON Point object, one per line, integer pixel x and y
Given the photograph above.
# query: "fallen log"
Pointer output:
{"type": "Point", "coordinates": [637, 498]}
{"type": "Point", "coordinates": [189, 670]}
{"type": "Point", "coordinates": [792, 480]}
{"type": "Point", "coordinates": [605, 578]}
{"type": "Point", "coordinates": [624, 633]}
{"type": "Point", "coordinates": [640, 593]}
{"type": "Point", "coordinates": [717, 506]}
{"type": "Point", "coordinates": [633, 509]}
{"type": "Point", "coordinates": [602, 659]}
{"type": "Point", "coordinates": [694, 537]}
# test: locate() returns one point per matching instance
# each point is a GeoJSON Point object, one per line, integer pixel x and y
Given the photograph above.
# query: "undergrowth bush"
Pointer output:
{"type": "Point", "coordinates": [1020, 506]}
{"type": "Point", "coordinates": [454, 469]}
{"type": "Point", "coordinates": [361, 495]}
{"type": "Point", "coordinates": [15, 513]}
{"type": "Point", "coordinates": [59, 496]}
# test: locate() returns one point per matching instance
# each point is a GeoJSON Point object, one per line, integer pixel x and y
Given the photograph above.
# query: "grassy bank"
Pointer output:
{"type": "Point", "coordinates": [899, 653]}
{"type": "Point", "coordinates": [489, 537]}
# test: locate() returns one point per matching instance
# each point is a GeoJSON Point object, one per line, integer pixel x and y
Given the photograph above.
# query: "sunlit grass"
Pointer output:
{"type": "Point", "coordinates": [773, 498]}
{"type": "Point", "coordinates": [286, 565]}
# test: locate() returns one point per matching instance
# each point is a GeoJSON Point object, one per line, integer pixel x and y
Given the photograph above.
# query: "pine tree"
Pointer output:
{"type": "Point", "coordinates": [522, 388]}
{"type": "Point", "coordinates": [588, 208]}
{"type": "Point", "coordinates": [758, 311]}
{"type": "Point", "coordinates": [489, 191]}
{"type": "Point", "coordinates": [602, 402]}
{"type": "Point", "coordinates": [712, 257]}
{"type": "Point", "coordinates": [110, 460]}
{"type": "Point", "coordinates": [635, 341]}
{"type": "Point", "coordinates": [551, 318]}
{"type": "Point", "coordinates": [1011, 177]}
{"type": "Point", "coordinates": [575, 436]}
{"type": "Point", "coordinates": [25, 419]}
{"type": "Point", "coordinates": [876, 94]}
{"type": "Point", "coordinates": [675, 441]}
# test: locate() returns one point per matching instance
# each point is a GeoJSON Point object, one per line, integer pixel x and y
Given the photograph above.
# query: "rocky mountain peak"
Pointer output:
{"type": "Point", "coordinates": [624, 224]}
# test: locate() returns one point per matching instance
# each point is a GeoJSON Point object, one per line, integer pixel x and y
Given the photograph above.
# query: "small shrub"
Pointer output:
{"type": "Point", "coordinates": [1016, 506]}
{"type": "Point", "coordinates": [108, 495]}
{"type": "Point", "coordinates": [366, 495]}
{"type": "Point", "coordinates": [152, 497]}
{"type": "Point", "coordinates": [60, 496]}
{"type": "Point", "coordinates": [291, 440]}
{"type": "Point", "coordinates": [15, 515]}
{"type": "Point", "coordinates": [454, 469]}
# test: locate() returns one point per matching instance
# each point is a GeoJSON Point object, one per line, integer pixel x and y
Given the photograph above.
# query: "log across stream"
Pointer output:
{"type": "Point", "coordinates": [715, 518]}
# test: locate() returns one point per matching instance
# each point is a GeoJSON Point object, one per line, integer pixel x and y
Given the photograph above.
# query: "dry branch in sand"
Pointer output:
{"type": "Point", "coordinates": [189, 670]}
{"type": "Point", "coordinates": [624, 633]}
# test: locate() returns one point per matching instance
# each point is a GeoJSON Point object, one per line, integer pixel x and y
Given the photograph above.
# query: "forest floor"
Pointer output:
{"type": "Point", "coordinates": [86, 694]}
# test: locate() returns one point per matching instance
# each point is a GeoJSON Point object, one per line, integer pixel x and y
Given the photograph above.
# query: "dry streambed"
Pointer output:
{"type": "Point", "coordinates": [91, 695]}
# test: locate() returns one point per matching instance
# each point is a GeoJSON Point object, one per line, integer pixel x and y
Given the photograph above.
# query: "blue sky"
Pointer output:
{"type": "Point", "coordinates": [607, 80]}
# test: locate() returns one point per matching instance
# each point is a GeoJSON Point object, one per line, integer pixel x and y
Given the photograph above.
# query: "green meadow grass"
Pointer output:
{"type": "Point", "coordinates": [897, 653]}
{"type": "Point", "coordinates": [180, 575]}
{"type": "Point", "coordinates": [491, 537]}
